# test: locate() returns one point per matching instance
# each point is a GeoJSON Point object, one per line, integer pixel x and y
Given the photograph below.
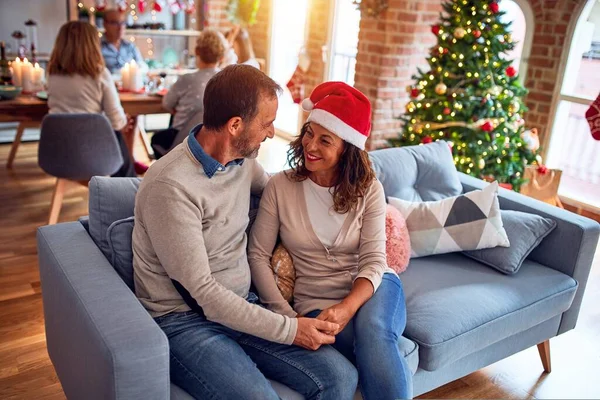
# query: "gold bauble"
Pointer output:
{"type": "Point", "coordinates": [410, 107]}
{"type": "Point", "coordinates": [460, 32]}
{"type": "Point", "coordinates": [441, 89]}
{"type": "Point", "coordinates": [514, 107]}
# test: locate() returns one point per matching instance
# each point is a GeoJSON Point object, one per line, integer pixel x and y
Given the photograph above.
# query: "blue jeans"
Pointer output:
{"type": "Point", "coordinates": [211, 361]}
{"type": "Point", "coordinates": [370, 341]}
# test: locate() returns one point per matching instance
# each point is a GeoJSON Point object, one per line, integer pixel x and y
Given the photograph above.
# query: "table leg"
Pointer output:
{"type": "Point", "coordinates": [144, 137]}
{"type": "Point", "coordinates": [17, 141]}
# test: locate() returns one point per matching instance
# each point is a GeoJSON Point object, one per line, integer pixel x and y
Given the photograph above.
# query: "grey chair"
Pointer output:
{"type": "Point", "coordinates": [76, 147]}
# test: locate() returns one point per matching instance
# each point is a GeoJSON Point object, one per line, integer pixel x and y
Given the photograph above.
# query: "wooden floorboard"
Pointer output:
{"type": "Point", "coordinates": [27, 373]}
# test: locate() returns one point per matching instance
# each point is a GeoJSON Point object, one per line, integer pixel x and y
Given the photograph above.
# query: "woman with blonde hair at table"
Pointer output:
{"type": "Point", "coordinates": [79, 82]}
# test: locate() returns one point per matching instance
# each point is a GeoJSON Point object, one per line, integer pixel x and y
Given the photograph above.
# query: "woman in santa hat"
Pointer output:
{"type": "Point", "coordinates": [329, 212]}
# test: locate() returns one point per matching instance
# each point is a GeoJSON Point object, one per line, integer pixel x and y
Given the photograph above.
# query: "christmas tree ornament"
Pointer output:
{"type": "Point", "coordinates": [410, 107]}
{"type": "Point", "coordinates": [481, 163]}
{"type": "Point", "coordinates": [514, 106]}
{"type": "Point", "coordinates": [494, 7]}
{"type": "Point", "coordinates": [446, 111]}
{"type": "Point", "coordinates": [427, 139]}
{"type": "Point", "coordinates": [511, 71]}
{"type": "Point", "coordinates": [435, 29]}
{"type": "Point", "coordinates": [487, 126]}
{"type": "Point", "coordinates": [460, 32]}
{"type": "Point", "coordinates": [593, 117]}
{"type": "Point", "coordinates": [531, 139]}
{"type": "Point", "coordinates": [414, 93]}
{"type": "Point", "coordinates": [446, 50]}
{"type": "Point", "coordinates": [441, 88]}
{"type": "Point", "coordinates": [495, 90]}
{"type": "Point", "coordinates": [509, 38]}
{"type": "Point", "coordinates": [477, 34]}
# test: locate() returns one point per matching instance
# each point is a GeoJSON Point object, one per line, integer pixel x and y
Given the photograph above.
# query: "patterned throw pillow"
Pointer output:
{"type": "Point", "coordinates": [284, 272]}
{"type": "Point", "coordinates": [470, 221]}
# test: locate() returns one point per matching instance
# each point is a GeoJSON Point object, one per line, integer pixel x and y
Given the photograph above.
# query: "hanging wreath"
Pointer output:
{"type": "Point", "coordinates": [243, 12]}
{"type": "Point", "coordinates": [372, 8]}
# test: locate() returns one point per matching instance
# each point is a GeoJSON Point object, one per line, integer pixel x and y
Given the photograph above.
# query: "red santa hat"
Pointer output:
{"type": "Point", "coordinates": [342, 110]}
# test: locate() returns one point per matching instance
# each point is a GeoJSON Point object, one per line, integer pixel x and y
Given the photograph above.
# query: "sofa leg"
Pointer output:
{"type": "Point", "coordinates": [544, 350]}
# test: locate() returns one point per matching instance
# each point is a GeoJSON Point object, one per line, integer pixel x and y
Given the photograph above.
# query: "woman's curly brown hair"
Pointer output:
{"type": "Point", "coordinates": [355, 173]}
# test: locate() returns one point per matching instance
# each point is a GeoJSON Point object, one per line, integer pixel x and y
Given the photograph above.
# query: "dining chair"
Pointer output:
{"type": "Point", "coordinates": [76, 147]}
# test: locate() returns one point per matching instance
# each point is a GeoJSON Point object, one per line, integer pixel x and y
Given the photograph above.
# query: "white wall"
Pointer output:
{"type": "Point", "coordinates": [595, 19]}
{"type": "Point", "coordinates": [49, 14]}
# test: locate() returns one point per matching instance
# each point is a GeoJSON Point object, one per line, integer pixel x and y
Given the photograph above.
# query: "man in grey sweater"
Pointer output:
{"type": "Point", "coordinates": [190, 267]}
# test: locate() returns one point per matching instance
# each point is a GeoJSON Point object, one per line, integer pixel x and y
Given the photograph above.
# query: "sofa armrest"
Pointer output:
{"type": "Point", "coordinates": [102, 342]}
{"type": "Point", "coordinates": [570, 248]}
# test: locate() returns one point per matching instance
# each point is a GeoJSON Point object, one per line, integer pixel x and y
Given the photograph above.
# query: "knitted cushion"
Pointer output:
{"type": "Point", "coordinates": [397, 245]}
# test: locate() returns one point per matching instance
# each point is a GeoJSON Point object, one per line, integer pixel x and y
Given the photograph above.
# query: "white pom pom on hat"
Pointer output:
{"type": "Point", "coordinates": [307, 104]}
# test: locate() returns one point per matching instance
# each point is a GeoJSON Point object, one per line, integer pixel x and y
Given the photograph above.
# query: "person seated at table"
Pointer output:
{"type": "Point", "coordinates": [79, 82]}
{"type": "Point", "coordinates": [186, 96]}
{"type": "Point", "coordinates": [241, 51]}
{"type": "Point", "coordinates": [115, 50]}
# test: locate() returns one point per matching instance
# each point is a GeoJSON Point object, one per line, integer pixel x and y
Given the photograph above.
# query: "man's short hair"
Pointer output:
{"type": "Point", "coordinates": [236, 91]}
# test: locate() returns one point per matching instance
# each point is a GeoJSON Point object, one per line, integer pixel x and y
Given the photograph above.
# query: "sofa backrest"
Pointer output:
{"type": "Point", "coordinates": [111, 199]}
{"type": "Point", "coordinates": [417, 173]}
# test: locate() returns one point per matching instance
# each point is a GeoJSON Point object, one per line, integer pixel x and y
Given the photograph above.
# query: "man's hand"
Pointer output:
{"type": "Point", "coordinates": [311, 333]}
{"type": "Point", "coordinates": [340, 314]}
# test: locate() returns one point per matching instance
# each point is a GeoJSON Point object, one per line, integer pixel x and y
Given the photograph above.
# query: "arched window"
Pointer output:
{"type": "Point", "coordinates": [519, 13]}
{"type": "Point", "coordinates": [570, 146]}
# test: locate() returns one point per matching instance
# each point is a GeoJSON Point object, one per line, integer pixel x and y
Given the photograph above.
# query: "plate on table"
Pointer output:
{"type": "Point", "coordinates": [42, 95]}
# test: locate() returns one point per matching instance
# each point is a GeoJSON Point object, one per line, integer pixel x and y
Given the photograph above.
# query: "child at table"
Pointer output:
{"type": "Point", "coordinates": [186, 96]}
{"type": "Point", "coordinates": [78, 82]}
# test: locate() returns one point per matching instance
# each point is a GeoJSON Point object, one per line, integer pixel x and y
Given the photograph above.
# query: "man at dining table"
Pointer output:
{"type": "Point", "coordinates": [115, 50]}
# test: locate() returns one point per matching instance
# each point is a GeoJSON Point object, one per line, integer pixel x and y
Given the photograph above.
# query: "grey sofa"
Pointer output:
{"type": "Point", "coordinates": [462, 315]}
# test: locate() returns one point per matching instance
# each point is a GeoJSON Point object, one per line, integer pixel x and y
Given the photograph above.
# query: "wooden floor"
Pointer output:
{"type": "Point", "coordinates": [27, 373]}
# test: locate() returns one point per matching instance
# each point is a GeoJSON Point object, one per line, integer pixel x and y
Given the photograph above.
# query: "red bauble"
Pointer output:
{"type": "Point", "coordinates": [542, 169]}
{"type": "Point", "coordinates": [427, 139]}
{"type": "Point", "coordinates": [141, 6]}
{"type": "Point", "coordinates": [487, 127]}
{"type": "Point", "coordinates": [511, 71]}
{"type": "Point", "coordinates": [414, 93]}
{"type": "Point", "coordinates": [435, 29]}
{"type": "Point", "coordinates": [156, 6]}
{"type": "Point", "coordinates": [445, 50]}
{"type": "Point", "coordinates": [477, 34]}
{"type": "Point", "coordinates": [506, 186]}
{"type": "Point", "coordinates": [446, 111]}
{"type": "Point", "coordinates": [494, 7]}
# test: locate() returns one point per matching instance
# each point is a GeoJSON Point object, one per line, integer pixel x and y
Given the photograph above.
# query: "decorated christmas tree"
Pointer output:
{"type": "Point", "coordinates": [471, 96]}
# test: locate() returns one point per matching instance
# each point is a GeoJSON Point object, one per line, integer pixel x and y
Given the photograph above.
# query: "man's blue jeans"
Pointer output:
{"type": "Point", "coordinates": [211, 361]}
{"type": "Point", "coordinates": [370, 341]}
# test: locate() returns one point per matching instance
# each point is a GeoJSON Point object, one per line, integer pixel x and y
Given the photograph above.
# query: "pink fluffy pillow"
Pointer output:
{"type": "Point", "coordinates": [397, 246]}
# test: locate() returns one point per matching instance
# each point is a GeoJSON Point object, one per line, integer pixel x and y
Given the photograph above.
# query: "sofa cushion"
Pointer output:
{"type": "Point", "coordinates": [525, 232]}
{"type": "Point", "coordinates": [417, 173]}
{"type": "Point", "coordinates": [469, 221]}
{"type": "Point", "coordinates": [111, 199]}
{"type": "Point", "coordinates": [457, 306]}
{"type": "Point", "coordinates": [119, 236]}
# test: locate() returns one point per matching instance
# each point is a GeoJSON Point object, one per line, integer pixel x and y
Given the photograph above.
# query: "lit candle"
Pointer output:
{"type": "Point", "coordinates": [125, 77]}
{"type": "Point", "coordinates": [37, 78]}
{"type": "Point", "coordinates": [27, 76]}
{"type": "Point", "coordinates": [17, 75]}
{"type": "Point", "coordinates": [135, 75]}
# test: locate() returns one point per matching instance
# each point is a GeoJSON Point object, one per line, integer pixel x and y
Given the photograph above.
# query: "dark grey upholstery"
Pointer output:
{"type": "Point", "coordinates": [78, 146]}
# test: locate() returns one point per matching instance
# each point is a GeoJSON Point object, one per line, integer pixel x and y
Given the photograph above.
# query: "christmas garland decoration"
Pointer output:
{"type": "Point", "coordinates": [372, 8]}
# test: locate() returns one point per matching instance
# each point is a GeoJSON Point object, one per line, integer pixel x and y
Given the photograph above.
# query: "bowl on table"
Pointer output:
{"type": "Point", "coordinates": [9, 91]}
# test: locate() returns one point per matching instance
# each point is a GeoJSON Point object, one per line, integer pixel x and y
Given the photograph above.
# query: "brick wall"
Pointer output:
{"type": "Point", "coordinates": [390, 48]}
{"type": "Point", "coordinates": [259, 32]}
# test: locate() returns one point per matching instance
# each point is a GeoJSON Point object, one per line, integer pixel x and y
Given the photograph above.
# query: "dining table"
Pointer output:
{"type": "Point", "coordinates": [29, 110]}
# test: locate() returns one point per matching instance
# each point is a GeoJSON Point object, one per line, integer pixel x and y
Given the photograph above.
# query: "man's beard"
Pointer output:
{"type": "Point", "coordinates": [243, 147]}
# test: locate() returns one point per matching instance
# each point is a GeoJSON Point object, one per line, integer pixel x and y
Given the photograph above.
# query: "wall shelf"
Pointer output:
{"type": "Point", "coordinates": [159, 32]}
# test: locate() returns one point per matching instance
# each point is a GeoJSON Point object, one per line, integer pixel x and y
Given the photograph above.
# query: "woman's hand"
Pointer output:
{"type": "Point", "coordinates": [340, 314]}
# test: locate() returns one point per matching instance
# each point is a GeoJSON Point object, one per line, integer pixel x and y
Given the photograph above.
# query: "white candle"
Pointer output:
{"type": "Point", "coordinates": [38, 78]}
{"type": "Point", "coordinates": [135, 76]}
{"type": "Point", "coordinates": [17, 75]}
{"type": "Point", "coordinates": [125, 77]}
{"type": "Point", "coordinates": [27, 76]}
